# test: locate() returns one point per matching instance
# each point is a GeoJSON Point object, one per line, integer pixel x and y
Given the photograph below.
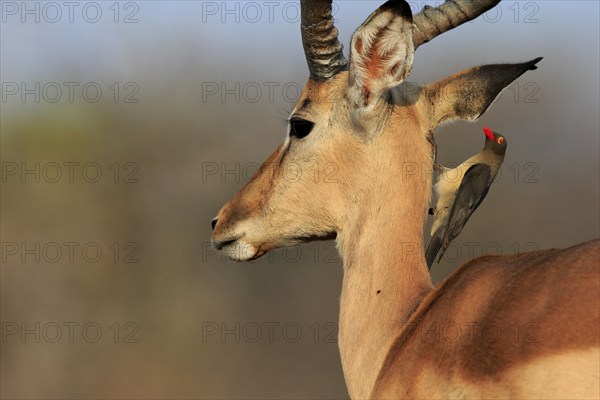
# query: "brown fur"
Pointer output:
{"type": "Point", "coordinates": [511, 310]}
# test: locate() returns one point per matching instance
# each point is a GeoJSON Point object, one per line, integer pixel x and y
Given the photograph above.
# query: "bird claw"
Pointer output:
{"type": "Point", "coordinates": [437, 167]}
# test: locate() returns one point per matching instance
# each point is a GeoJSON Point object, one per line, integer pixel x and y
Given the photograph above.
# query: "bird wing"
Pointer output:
{"type": "Point", "coordinates": [471, 192]}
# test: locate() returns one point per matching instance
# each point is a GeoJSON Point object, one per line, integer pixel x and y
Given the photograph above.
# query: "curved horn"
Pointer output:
{"type": "Point", "coordinates": [433, 21]}
{"type": "Point", "coordinates": [324, 53]}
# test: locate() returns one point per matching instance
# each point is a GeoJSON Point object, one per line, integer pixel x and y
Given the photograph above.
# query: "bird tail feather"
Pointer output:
{"type": "Point", "coordinates": [432, 249]}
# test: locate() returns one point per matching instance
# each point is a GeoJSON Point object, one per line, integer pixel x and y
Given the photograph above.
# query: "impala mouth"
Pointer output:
{"type": "Point", "coordinates": [237, 249]}
{"type": "Point", "coordinates": [220, 244]}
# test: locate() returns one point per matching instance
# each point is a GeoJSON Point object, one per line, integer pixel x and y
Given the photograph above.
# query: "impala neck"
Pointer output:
{"type": "Point", "coordinates": [385, 275]}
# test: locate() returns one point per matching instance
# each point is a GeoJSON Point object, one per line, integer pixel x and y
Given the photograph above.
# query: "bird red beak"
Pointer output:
{"type": "Point", "coordinates": [488, 132]}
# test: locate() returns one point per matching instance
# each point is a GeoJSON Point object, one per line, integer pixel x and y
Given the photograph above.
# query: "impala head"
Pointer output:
{"type": "Point", "coordinates": [355, 127]}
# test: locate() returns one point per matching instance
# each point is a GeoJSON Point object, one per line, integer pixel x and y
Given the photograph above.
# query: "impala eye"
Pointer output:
{"type": "Point", "coordinates": [300, 128]}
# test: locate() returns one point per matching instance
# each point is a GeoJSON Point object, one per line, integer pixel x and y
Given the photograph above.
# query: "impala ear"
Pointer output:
{"type": "Point", "coordinates": [468, 94]}
{"type": "Point", "coordinates": [381, 53]}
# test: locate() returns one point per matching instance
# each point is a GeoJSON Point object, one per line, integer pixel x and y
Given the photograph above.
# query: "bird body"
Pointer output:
{"type": "Point", "coordinates": [459, 192]}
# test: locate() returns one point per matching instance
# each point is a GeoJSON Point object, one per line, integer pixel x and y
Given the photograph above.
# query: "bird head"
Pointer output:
{"type": "Point", "coordinates": [494, 141]}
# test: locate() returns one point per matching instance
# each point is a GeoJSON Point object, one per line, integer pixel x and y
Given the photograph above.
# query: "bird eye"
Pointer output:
{"type": "Point", "coordinates": [300, 128]}
{"type": "Point", "coordinates": [500, 140]}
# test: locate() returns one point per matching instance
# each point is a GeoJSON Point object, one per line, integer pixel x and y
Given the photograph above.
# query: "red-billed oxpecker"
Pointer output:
{"type": "Point", "coordinates": [460, 190]}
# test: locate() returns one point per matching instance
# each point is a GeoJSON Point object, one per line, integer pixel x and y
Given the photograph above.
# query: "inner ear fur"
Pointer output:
{"type": "Point", "coordinates": [381, 52]}
{"type": "Point", "coordinates": [468, 94]}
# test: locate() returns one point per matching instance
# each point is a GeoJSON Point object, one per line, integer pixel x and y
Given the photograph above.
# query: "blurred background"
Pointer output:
{"type": "Point", "coordinates": [125, 126]}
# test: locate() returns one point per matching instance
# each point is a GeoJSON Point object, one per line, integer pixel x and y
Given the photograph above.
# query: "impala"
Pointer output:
{"type": "Point", "coordinates": [524, 326]}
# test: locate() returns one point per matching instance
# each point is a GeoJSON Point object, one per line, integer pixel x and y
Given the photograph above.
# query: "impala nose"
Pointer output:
{"type": "Point", "coordinates": [214, 223]}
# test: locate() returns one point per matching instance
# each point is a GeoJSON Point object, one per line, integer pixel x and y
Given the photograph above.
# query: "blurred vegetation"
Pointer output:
{"type": "Point", "coordinates": [177, 287]}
